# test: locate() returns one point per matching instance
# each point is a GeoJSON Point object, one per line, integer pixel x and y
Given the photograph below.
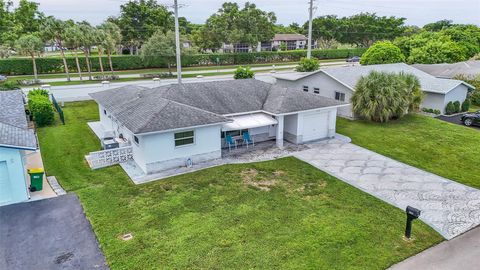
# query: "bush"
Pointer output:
{"type": "Point", "coordinates": [466, 105]}
{"type": "Point", "coordinates": [40, 107]}
{"type": "Point", "coordinates": [450, 109]}
{"type": "Point", "coordinates": [158, 75]}
{"type": "Point", "coordinates": [23, 66]}
{"type": "Point", "coordinates": [436, 111]}
{"type": "Point", "coordinates": [308, 65]}
{"type": "Point", "coordinates": [243, 73]}
{"type": "Point", "coordinates": [106, 77]}
{"type": "Point", "coordinates": [382, 52]}
{"type": "Point", "coordinates": [457, 106]}
{"type": "Point", "coordinates": [475, 97]}
{"type": "Point", "coordinates": [8, 85]}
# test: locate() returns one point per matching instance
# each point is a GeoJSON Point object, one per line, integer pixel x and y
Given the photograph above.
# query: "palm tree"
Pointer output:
{"type": "Point", "coordinates": [54, 29]}
{"type": "Point", "coordinates": [87, 41]}
{"type": "Point", "coordinates": [99, 36]}
{"type": "Point", "coordinates": [30, 45]}
{"type": "Point", "coordinates": [381, 96]}
{"type": "Point", "coordinates": [414, 91]}
{"type": "Point", "coordinates": [73, 39]}
{"type": "Point", "coordinates": [113, 38]}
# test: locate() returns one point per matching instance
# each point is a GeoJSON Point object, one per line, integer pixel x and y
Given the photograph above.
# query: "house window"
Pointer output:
{"type": "Point", "coordinates": [184, 138]}
{"type": "Point", "coordinates": [135, 139]}
{"type": "Point", "coordinates": [316, 90]}
{"type": "Point", "coordinates": [340, 96]}
{"type": "Point", "coordinates": [233, 133]}
{"type": "Point", "coordinates": [305, 88]}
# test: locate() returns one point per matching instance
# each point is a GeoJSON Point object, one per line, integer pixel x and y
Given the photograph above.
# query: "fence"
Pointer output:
{"type": "Point", "coordinates": [105, 158]}
{"type": "Point", "coordinates": [58, 108]}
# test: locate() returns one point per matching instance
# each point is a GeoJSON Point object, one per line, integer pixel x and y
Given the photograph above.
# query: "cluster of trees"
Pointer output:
{"type": "Point", "coordinates": [440, 42]}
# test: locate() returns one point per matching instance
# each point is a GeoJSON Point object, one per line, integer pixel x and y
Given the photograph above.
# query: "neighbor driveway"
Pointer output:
{"type": "Point", "coordinates": [48, 234]}
{"type": "Point", "coordinates": [455, 119]}
{"type": "Point", "coordinates": [449, 207]}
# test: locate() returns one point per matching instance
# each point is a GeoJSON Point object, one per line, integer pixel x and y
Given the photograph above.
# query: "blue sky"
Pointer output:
{"type": "Point", "coordinates": [417, 12]}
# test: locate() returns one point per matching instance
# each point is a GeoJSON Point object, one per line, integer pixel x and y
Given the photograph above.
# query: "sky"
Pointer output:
{"type": "Point", "coordinates": [417, 12]}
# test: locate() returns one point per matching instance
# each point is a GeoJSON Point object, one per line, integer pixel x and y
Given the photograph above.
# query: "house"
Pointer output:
{"type": "Point", "coordinates": [16, 140]}
{"type": "Point", "coordinates": [172, 125]}
{"type": "Point", "coordinates": [469, 69]}
{"type": "Point", "coordinates": [339, 83]}
{"type": "Point", "coordinates": [292, 41]}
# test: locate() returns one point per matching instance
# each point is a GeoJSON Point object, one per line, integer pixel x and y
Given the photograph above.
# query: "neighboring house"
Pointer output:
{"type": "Point", "coordinates": [171, 125]}
{"type": "Point", "coordinates": [470, 69]}
{"type": "Point", "coordinates": [15, 140]}
{"type": "Point", "coordinates": [339, 83]}
{"type": "Point", "coordinates": [292, 41]}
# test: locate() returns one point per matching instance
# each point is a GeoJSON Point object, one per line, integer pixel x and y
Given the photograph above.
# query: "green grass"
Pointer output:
{"type": "Point", "coordinates": [212, 219]}
{"type": "Point", "coordinates": [436, 146]}
{"type": "Point", "coordinates": [474, 108]}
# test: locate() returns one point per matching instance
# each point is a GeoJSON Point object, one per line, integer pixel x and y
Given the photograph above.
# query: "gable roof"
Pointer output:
{"type": "Point", "coordinates": [350, 75]}
{"type": "Point", "coordinates": [288, 37]}
{"type": "Point", "coordinates": [14, 132]}
{"type": "Point", "coordinates": [471, 69]}
{"type": "Point", "coordinates": [175, 106]}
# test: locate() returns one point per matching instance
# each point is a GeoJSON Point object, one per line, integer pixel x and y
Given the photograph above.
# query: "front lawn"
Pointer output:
{"type": "Point", "coordinates": [445, 149]}
{"type": "Point", "coordinates": [281, 214]}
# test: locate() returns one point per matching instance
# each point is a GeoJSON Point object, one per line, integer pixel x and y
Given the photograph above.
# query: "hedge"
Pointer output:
{"type": "Point", "coordinates": [40, 107]}
{"type": "Point", "coordinates": [23, 66]}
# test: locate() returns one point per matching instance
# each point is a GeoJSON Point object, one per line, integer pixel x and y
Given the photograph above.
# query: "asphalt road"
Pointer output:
{"type": "Point", "coordinates": [48, 234]}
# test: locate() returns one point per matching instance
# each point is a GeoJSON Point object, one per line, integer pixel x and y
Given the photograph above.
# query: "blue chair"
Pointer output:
{"type": "Point", "coordinates": [247, 139]}
{"type": "Point", "coordinates": [230, 142]}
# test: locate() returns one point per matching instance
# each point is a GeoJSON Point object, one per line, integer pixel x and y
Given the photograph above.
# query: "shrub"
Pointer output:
{"type": "Point", "coordinates": [457, 106]}
{"type": "Point", "coordinates": [243, 73]}
{"type": "Point", "coordinates": [382, 52]}
{"type": "Point", "coordinates": [8, 85]}
{"type": "Point", "coordinates": [450, 109]}
{"type": "Point", "coordinates": [466, 105]}
{"type": "Point", "coordinates": [475, 97]}
{"type": "Point", "coordinates": [106, 77]}
{"type": "Point", "coordinates": [40, 107]}
{"type": "Point", "coordinates": [308, 65]}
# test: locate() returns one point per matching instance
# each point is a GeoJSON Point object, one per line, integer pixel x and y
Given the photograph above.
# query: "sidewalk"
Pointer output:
{"type": "Point", "coordinates": [462, 252]}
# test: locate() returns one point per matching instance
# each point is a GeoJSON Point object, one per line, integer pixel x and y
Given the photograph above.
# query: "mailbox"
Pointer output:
{"type": "Point", "coordinates": [412, 213]}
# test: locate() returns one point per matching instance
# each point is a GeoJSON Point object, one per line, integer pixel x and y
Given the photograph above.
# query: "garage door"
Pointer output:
{"type": "Point", "coordinates": [5, 188]}
{"type": "Point", "coordinates": [315, 126]}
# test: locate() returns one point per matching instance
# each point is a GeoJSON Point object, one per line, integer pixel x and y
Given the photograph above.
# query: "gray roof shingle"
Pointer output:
{"type": "Point", "coordinates": [470, 69]}
{"type": "Point", "coordinates": [14, 130]}
{"type": "Point", "coordinates": [175, 106]}
{"type": "Point", "coordinates": [350, 75]}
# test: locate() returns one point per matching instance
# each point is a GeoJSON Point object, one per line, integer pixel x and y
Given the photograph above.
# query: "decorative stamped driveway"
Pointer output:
{"type": "Point", "coordinates": [447, 206]}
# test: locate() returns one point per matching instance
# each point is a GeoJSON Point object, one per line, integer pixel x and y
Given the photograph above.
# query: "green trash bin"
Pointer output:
{"type": "Point", "coordinates": [36, 179]}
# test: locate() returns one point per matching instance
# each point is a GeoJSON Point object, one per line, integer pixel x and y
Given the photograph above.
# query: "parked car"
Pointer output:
{"type": "Point", "coordinates": [470, 119]}
{"type": "Point", "coordinates": [3, 78]}
{"type": "Point", "coordinates": [354, 59]}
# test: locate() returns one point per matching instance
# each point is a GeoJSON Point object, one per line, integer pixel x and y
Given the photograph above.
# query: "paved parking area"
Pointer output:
{"type": "Point", "coordinates": [447, 206]}
{"type": "Point", "coordinates": [455, 119]}
{"type": "Point", "coordinates": [48, 234]}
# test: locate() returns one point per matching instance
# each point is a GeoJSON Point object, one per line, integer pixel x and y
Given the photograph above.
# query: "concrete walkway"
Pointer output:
{"type": "Point", "coordinates": [462, 252]}
{"type": "Point", "coordinates": [447, 206]}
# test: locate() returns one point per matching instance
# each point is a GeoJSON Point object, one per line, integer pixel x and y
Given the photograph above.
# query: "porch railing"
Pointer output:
{"type": "Point", "coordinates": [105, 158]}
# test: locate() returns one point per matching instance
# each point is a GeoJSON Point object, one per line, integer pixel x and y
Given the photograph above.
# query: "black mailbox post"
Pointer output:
{"type": "Point", "coordinates": [412, 213]}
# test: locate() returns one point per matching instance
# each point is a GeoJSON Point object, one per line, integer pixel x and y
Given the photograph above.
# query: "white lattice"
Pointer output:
{"type": "Point", "coordinates": [105, 158]}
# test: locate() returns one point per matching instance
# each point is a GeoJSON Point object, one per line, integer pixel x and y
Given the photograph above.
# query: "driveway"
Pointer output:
{"type": "Point", "coordinates": [447, 206]}
{"type": "Point", "coordinates": [455, 119]}
{"type": "Point", "coordinates": [48, 234]}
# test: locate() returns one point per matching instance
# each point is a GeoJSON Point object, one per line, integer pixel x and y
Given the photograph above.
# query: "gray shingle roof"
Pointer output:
{"type": "Point", "coordinates": [471, 69]}
{"type": "Point", "coordinates": [14, 130]}
{"type": "Point", "coordinates": [176, 106]}
{"type": "Point", "coordinates": [350, 75]}
{"type": "Point", "coordinates": [289, 37]}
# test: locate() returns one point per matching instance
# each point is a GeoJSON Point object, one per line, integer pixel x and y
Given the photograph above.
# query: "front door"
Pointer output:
{"type": "Point", "coordinates": [5, 188]}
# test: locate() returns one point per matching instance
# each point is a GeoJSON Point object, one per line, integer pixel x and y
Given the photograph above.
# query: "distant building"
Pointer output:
{"type": "Point", "coordinates": [291, 41]}
{"type": "Point", "coordinates": [470, 69]}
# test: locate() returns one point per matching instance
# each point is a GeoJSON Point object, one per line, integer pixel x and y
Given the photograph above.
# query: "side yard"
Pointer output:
{"type": "Point", "coordinates": [442, 148]}
{"type": "Point", "coordinates": [284, 214]}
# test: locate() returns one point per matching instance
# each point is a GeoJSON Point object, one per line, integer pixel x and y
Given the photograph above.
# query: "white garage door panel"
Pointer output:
{"type": "Point", "coordinates": [5, 189]}
{"type": "Point", "coordinates": [315, 126]}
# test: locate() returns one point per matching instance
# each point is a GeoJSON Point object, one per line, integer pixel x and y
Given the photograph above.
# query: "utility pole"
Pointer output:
{"type": "Point", "coordinates": [310, 18]}
{"type": "Point", "coordinates": [177, 43]}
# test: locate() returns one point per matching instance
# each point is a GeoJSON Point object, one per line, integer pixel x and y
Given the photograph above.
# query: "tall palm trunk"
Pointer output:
{"type": "Point", "coordinates": [78, 64]}
{"type": "Point", "coordinates": [87, 61]}
{"type": "Point", "coordinates": [109, 54]}
{"type": "Point", "coordinates": [64, 59]}
{"type": "Point", "coordinates": [100, 62]}
{"type": "Point", "coordinates": [34, 67]}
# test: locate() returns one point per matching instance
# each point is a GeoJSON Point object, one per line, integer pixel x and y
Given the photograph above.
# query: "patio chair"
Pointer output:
{"type": "Point", "coordinates": [247, 139]}
{"type": "Point", "coordinates": [230, 142]}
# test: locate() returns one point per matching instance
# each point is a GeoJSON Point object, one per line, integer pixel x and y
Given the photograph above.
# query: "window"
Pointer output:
{"type": "Point", "coordinates": [233, 133]}
{"type": "Point", "coordinates": [305, 88]}
{"type": "Point", "coordinates": [135, 139]}
{"type": "Point", "coordinates": [316, 90]}
{"type": "Point", "coordinates": [340, 96]}
{"type": "Point", "coordinates": [184, 138]}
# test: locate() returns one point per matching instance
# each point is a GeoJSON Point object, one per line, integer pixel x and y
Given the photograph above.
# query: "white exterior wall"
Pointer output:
{"type": "Point", "coordinates": [459, 93]}
{"type": "Point", "coordinates": [160, 153]}
{"type": "Point", "coordinates": [328, 86]}
{"type": "Point", "coordinates": [434, 101]}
